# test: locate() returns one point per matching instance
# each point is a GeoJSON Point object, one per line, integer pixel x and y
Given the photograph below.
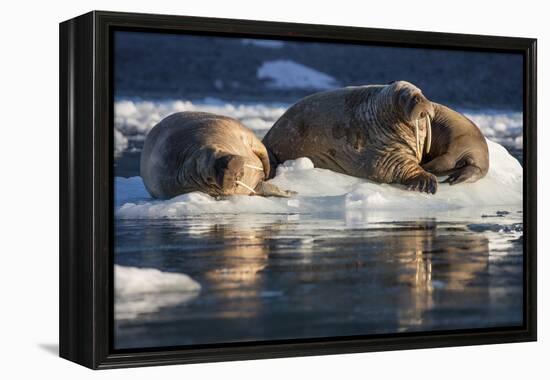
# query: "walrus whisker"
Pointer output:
{"type": "Point", "coordinates": [245, 186]}
{"type": "Point", "coordinates": [418, 153]}
{"type": "Point", "coordinates": [254, 167]}
{"type": "Point", "coordinates": [428, 134]}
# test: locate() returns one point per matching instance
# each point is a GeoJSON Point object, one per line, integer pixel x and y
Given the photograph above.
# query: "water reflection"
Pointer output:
{"type": "Point", "coordinates": [431, 260]}
{"type": "Point", "coordinates": [289, 276]}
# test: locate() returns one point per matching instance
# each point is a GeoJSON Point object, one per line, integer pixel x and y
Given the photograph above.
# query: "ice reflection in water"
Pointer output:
{"type": "Point", "coordinates": [302, 276]}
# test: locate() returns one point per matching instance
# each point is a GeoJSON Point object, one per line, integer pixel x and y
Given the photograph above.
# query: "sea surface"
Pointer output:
{"type": "Point", "coordinates": [303, 276]}
{"type": "Point", "coordinates": [345, 256]}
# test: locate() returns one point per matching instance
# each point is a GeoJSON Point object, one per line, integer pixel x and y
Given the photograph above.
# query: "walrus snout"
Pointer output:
{"type": "Point", "coordinates": [235, 176]}
{"type": "Point", "coordinates": [418, 107]}
{"type": "Point", "coordinates": [229, 169]}
{"type": "Point", "coordinates": [418, 113]}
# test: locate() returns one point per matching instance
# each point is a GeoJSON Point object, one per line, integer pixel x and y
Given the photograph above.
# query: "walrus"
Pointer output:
{"type": "Point", "coordinates": [199, 151]}
{"type": "Point", "coordinates": [458, 148]}
{"type": "Point", "coordinates": [377, 132]}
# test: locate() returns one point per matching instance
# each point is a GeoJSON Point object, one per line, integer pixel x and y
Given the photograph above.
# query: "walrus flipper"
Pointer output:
{"type": "Point", "coordinates": [457, 172]}
{"type": "Point", "coordinates": [468, 173]}
{"type": "Point", "coordinates": [440, 166]}
{"type": "Point", "coordinates": [269, 190]}
{"type": "Point", "coordinates": [422, 181]}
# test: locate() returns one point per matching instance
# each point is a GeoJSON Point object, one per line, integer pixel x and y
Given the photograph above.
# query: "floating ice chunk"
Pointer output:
{"type": "Point", "coordinates": [198, 203]}
{"type": "Point", "coordinates": [121, 143]}
{"type": "Point", "coordinates": [286, 74]}
{"type": "Point", "coordinates": [257, 123]}
{"type": "Point", "coordinates": [503, 127]}
{"type": "Point", "coordinates": [125, 108]}
{"type": "Point", "coordinates": [146, 290]}
{"type": "Point", "coordinates": [135, 118]}
{"type": "Point", "coordinates": [322, 190]}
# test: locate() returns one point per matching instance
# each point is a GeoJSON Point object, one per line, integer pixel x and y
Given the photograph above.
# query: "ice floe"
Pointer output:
{"type": "Point", "coordinates": [321, 191]}
{"type": "Point", "coordinates": [134, 119]}
{"type": "Point", "coordinates": [146, 290]}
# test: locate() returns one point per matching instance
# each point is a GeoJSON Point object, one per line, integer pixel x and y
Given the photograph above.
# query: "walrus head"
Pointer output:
{"type": "Point", "coordinates": [237, 175]}
{"type": "Point", "coordinates": [415, 110]}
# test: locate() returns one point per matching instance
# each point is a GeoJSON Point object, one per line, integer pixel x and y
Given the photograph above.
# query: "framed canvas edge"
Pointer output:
{"type": "Point", "coordinates": [85, 187]}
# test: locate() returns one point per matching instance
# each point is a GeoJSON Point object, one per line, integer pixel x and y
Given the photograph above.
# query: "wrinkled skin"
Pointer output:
{"type": "Point", "coordinates": [459, 149]}
{"type": "Point", "coordinates": [198, 151]}
{"type": "Point", "coordinates": [378, 132]}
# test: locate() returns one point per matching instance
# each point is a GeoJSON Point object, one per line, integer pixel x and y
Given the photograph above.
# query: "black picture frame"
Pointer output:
{"type": "Point", "coordinates": [86, 193]}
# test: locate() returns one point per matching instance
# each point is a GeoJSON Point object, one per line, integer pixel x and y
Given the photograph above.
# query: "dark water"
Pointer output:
{"type": "Point", "coordinates": [303, 276]}
{"type": "Point", "coordinates": [271, 276]}
{"type": "Point", "coordinates": [190, 67]}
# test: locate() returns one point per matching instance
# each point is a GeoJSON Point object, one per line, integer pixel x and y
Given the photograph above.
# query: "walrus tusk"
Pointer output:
{"type": "Point", "coordinates": [418, 152]}
{"type": "Point", "coordinates": [246, 186]}
{"type": "Point", "coordinates": [254, 167]}
{"type": "Point", "coordinates": [428, 134]}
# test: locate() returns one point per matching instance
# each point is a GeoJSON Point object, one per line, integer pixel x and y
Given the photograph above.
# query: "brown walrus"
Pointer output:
{"type": "Point", "coordinates": [199, 151]}
{"type": "Point", "coordinates": [458, 148]}
{"type": "Point", "coordinates": [377, 132]}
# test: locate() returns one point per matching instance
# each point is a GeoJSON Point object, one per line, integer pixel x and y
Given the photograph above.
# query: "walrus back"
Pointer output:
{"type": "Point", "coordinates": [166, 147]}
{"type": "Point", "coordinates": [300, 130]}
{"type": "Point", "coordinates": [179, 153]}
{"type": "Point", "coordinates": [157, 168]}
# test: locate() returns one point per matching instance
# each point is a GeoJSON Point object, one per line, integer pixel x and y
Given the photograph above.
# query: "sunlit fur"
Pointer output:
{"type": "Point", "coordinates": [364, 131]}
{"type": "Point", "coordinates": [183, 153]}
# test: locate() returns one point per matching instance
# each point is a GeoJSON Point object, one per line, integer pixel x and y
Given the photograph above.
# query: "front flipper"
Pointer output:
{"type": "Point", "coordinates": [423, 182]}
{"type": "Point", "coordinates": [467, 173]}
{"type": "Point", "coordinates": [406, 171]}
{"type": "Point", "coordinates": [269, 190]}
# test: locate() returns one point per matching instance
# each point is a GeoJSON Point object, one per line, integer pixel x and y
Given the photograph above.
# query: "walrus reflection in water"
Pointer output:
{"type": "Point", "coordinates": [199, 151]}
{"type": "Point", "coordinates": [377, 132]}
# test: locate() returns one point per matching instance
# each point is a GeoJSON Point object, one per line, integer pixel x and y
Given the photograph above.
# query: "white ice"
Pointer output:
{"type": "Point", "coordinates": [134, 118]}
{"type": "Point", "coordinates": [286, 74]}
{"type": "Point", "coordinates": [321, 190]}
{"type": "Point", "coordinates": [502, 127]}
{"type": "Point", "coordinates": [121, 143]}
{"type": "Point", "coordinates": [146, 290]}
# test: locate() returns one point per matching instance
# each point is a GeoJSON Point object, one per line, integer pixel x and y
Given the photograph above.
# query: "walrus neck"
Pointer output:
{"type": "Point", "coordinates": [394, 123]}
{"type": "Point", "coordinates": [376, 108]}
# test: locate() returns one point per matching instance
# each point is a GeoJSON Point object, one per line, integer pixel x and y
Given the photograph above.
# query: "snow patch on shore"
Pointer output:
{"type": "Point", "coordinates": [286, 74]}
